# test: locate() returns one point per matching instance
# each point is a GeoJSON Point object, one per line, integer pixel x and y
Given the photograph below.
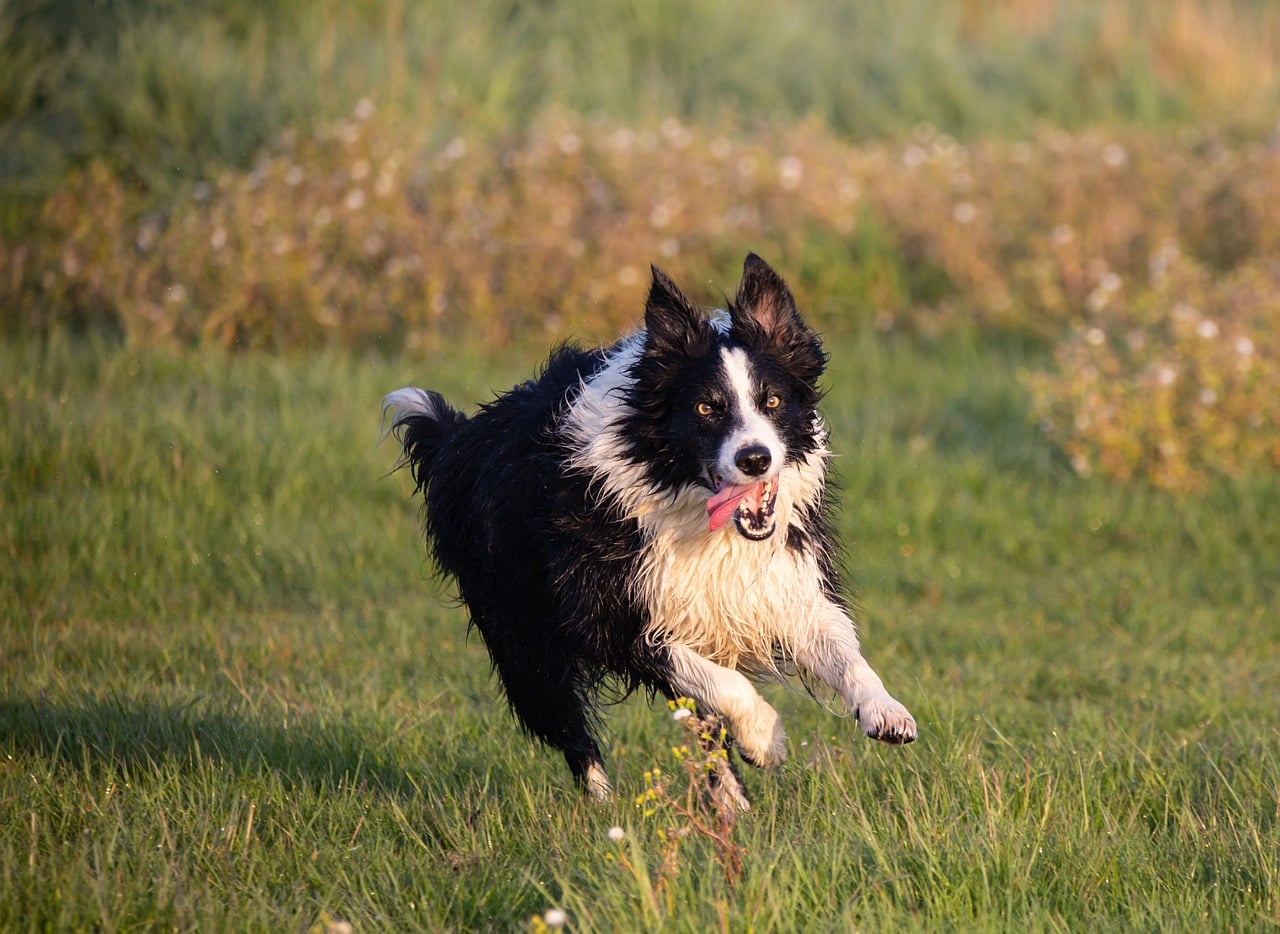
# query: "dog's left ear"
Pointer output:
{"type": "Point", "coordinates": [764, 314]}
{"type": "Point", "coordinates": [672, 324]}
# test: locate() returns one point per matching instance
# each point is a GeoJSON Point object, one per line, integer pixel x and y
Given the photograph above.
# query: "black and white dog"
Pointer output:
{"type": "Point", "coordinates": [652, 512]}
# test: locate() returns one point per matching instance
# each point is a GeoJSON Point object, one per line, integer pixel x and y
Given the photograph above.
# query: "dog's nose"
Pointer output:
{"type": "Point", "coordinates": [753, 460]}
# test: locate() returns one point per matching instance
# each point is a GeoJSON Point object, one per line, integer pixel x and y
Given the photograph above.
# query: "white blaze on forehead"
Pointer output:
{"type": "Point", "coordinates": [752, 428]}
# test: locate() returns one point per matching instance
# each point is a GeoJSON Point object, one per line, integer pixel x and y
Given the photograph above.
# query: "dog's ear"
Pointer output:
{"type": "Point", "coordinates": [764, 315]}
{"type": "Point", "coordinates": [671, 323]}
{"type": "Point", "coordinates": [764, 301]}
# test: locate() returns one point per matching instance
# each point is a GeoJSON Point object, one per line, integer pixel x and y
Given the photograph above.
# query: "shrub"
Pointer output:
{"type": "Point", "coordinates": [1176, 384]}
{"type": "Point", "coordinates": [347, 237]}
{"type": "Point", "coordinates": [350, 236]}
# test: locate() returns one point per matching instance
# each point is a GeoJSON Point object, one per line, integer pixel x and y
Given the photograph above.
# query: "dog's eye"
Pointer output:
{"type": "Point", "coordinates": [772, 401]}
{"type": "Point", "coordinates": [704, 409]}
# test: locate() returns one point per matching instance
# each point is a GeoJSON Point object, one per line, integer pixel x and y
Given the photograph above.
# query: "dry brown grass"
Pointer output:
{"type": "Point", "coordinates": [350, 237]}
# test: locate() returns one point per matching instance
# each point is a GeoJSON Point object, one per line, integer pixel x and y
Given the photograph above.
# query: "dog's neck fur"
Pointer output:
{"type": "Point", "coordinates": [734, 601]}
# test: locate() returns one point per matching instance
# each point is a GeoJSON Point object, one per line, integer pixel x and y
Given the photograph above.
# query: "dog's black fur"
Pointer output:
{"type": "Point", "coordinates": [558, 505]}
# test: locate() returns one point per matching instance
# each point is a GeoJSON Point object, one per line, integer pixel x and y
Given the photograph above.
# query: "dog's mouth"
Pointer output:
{"type": "Point", "coordinates": [749, 505]}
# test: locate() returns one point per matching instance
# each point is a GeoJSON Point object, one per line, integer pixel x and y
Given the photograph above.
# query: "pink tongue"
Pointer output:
{"type": "Point", "coordinates": [722, 505]}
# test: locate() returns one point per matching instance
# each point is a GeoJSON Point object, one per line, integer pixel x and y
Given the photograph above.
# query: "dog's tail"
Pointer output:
{"type": "Point", "coordinates": [420, 420]}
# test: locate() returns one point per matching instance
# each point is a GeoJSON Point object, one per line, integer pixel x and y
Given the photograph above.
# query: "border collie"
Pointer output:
{"type": "Point", "coordinates": [655, 513]}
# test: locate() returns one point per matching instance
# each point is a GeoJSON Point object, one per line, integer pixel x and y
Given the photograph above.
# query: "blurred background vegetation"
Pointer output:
{"type": "Point", "coordinates": [1101, 181]}
{"type": "Point", "coordinates": [173, 91]}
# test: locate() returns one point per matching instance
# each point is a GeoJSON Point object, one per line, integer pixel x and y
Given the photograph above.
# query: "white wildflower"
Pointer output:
{"type": "Point", "coordinates": [355, 199]}
{"type": "Point", "coordinates": [664, 212]}
{"type": "Point", "coordinates": [454, 150]}
{"type": "Point", "coordinates": [569, 143]}
{"type": "Point", "coordinates": [385, 183]}
{"type": "Point", "coordinates": [1114, 155]}
{"type": "Point", "coordinates": [622, 139]}
{"type": "Point", "coordinates": [676, 133]}
{"type": "Point", "coordinates": [1207, 328]}
{"type": "Point", "coordinates": [790, 173]}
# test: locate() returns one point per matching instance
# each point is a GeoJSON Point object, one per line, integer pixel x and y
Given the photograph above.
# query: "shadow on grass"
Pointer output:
{"type": "Point", "coordinates": [141, 736]}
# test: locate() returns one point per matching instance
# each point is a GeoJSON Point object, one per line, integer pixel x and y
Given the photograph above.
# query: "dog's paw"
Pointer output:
{"type": "Point", "coordinates": [761, 739]}
{"type": "Point", "coordinates": [596, 783]}
{"type": "Point", "coordinates": [883, 718]}
{"type": "Point", "coordinates": [727, 792]}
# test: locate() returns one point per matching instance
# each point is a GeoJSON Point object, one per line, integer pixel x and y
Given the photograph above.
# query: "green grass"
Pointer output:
{"type": "Point", "coordinates": [173, 92]}
{"type": "Point", "coordinates": [232, 696]}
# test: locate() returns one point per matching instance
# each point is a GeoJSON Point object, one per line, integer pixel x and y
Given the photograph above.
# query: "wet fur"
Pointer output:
{"type": "Point", "coordinates": [572, 513]}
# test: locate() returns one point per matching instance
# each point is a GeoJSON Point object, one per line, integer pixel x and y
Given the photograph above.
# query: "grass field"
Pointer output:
{"type": "Point", "coordinates": [171, 93]}
{"type": "Point", "coordinates": [234, 698]}
{"type": "Point", "coordinates": [1041, 235]}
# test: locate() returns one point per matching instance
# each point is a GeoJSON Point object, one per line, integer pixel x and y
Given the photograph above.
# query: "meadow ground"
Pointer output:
{"type": "Point", "coordinates": [232, 695]}
{"type": "Point", "coordinates": [1041, 235]}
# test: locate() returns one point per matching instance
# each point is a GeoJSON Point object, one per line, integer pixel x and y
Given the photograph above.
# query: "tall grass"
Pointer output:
{"type": "Point", "coordinates": [1148, 257]}
{"type": "Point", "coordinates": [172, 92]}
{"type": "Point", "coordinates": [231, 696]}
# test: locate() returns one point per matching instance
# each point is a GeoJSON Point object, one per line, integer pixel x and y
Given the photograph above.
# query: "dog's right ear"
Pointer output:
{"type": "Point", "coordinates": [671, 323]}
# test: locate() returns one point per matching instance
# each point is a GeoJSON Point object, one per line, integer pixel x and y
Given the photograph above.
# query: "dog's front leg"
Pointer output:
{"type": "Point", "coordinates": [756, 726]}
{"type": "Point", "coordinates": [831, 653]}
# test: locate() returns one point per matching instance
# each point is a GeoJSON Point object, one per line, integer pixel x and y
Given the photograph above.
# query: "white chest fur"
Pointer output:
{"type": "Point", "coordinates": [734, 601]}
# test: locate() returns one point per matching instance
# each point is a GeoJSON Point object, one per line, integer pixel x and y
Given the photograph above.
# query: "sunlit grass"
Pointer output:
{"type": "Point", "coordinates": [306, 736]}
{"type": "Point", "coordinates": [174, 92]}
{"type": "Point", "coordinates": [232, 695]}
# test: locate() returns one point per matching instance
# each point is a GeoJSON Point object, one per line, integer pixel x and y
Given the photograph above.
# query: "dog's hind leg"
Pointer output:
{"type": "Point", "coordinates": [727, 791]}
{"type": "Point", "coordinates": [549, 696]}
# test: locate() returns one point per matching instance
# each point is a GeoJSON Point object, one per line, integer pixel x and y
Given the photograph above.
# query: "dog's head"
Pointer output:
{"type": "Point", "coordinates": [726, 403]}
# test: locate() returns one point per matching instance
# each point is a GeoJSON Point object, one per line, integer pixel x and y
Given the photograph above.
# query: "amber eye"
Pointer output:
{"type": "Point", "coordinates": [704, 409]}
{"type": "Point", "coordinates": [773, 401]}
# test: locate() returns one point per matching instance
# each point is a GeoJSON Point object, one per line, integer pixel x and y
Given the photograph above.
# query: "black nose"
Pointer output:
{"type": "Point", "coordinates": [753, 460]}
